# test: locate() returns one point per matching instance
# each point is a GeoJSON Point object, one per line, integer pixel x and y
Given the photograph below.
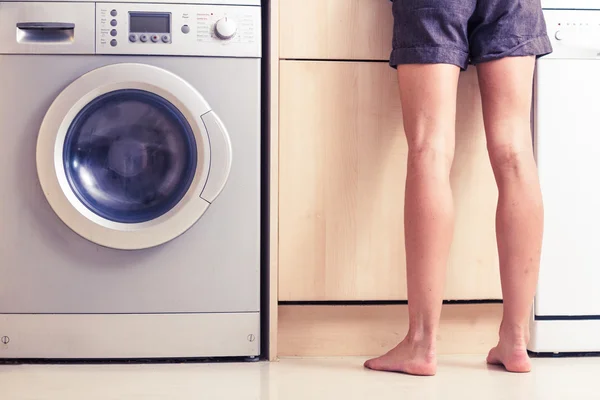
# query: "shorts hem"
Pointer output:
{"type": "Point", "coordinates": [429, 55]}
{"type": "Point", "coordinates": [538, 46]}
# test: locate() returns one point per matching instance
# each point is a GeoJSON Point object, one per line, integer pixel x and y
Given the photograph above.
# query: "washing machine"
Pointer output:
{"type": "Point", "coordinates": [130, 179]}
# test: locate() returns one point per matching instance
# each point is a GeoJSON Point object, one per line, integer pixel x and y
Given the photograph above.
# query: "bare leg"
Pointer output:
{"type": "Point", "coordinates": [428, 95]}
{"type": "Point", "coordinates": [506, 88]}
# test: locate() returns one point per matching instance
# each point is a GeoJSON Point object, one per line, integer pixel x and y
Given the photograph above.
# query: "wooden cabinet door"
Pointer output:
{"type": "Point", "coordinates": [342, 171]}
{"type": "Point", "coordinates": [336, 29]}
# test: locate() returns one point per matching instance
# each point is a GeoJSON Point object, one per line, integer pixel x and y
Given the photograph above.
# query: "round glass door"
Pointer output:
{"type": "Point", "coordinates": [130, 156]}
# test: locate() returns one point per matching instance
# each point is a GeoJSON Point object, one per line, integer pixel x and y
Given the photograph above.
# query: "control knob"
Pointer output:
{"type": "Point", "coordinates": [225, 28]}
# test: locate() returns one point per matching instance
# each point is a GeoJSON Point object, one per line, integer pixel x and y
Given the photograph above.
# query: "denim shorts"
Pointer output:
{"type": "Point", "coordinates": [460, 32]}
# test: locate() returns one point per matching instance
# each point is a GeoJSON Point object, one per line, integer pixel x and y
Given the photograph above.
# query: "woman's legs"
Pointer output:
{"type": "Point", "coordinates": [506, 90]}
{"type": "Point", "coordinates": [428, 96]}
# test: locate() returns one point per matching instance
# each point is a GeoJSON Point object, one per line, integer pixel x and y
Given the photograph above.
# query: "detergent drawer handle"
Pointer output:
{"type": "Point", "coordinates": [45, 33]}
{"type": "Point", "coordinates": [40, 26]}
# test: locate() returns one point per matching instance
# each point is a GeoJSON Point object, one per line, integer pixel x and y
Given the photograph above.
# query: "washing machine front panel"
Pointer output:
{"type": "Point", "coordinates": [124, 156]}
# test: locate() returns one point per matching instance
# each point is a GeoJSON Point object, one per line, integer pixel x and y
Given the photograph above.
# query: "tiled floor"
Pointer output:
{"type": "Point", "coordinates": [464, 377]}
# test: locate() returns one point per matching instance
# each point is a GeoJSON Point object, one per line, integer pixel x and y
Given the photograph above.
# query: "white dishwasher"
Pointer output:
{"type": "Point", "coordinates": [566, 317]}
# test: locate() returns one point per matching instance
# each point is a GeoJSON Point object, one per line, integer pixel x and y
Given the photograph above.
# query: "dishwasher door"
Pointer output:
{"type": "Point", "coordinates": [567, 144]}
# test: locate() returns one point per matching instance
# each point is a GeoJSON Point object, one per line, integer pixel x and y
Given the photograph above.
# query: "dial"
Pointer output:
{"type": "Point", "coordinates": [225, 28]}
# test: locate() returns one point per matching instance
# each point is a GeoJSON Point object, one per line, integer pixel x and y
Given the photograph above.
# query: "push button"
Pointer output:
{"type": "Point", "coordinates": [133, 38]}
{"type": "Point", "coordinates": [113, 42]}
{"type": "Point", "coordinates": [165, 38]}
{"type": "Point", "coordinates": [113, 32]}
{"type": "Point", "coordinates": [113, 22]}
{"type": "Point", "coordinates": [185, 29]}
{"type": "Point", "coordinates": [155, 38]}
{"type": "Point", "coordinates": [113, 13]}
{"type": "Point", "coordinates": [144, 38]}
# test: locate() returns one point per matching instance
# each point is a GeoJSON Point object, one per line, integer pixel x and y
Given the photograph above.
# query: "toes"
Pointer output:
{"type": "Point", "coordinates": [377, 364]}
{"type": "Point", "coordinates": [371, 364]}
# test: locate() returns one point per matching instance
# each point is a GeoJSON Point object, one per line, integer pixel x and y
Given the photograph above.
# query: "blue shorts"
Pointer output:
{"type": "Point", "coordinates": [460, 32]}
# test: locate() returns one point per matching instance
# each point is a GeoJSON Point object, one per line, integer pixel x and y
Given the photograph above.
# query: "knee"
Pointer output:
{"type": "Point", "coordinates": [509, 160]}
{"type": "Point", "coordinates": [427, 153]}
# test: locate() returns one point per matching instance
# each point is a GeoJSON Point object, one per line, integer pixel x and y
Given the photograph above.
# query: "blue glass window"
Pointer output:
{"type": "Point", "coordinates": [130, 156]}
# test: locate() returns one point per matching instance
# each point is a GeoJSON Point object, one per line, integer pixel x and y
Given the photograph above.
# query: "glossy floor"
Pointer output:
{"type": "Point", "coordinates": [459, 377]}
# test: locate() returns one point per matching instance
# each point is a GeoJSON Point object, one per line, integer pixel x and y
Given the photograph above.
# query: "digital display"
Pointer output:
{"type": "Point", "coordinates": [149, 22]}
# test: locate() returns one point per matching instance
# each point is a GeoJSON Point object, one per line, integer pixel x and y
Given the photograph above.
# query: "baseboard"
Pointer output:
{"type": "Point", "coordinates": [322, 331]}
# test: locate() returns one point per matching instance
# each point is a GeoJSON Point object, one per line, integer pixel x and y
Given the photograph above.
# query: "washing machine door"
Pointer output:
{"type": "Point", "coordinates": [130, 156]}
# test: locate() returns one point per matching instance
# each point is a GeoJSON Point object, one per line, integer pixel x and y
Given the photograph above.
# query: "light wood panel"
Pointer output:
{"type": "Point", "coordinates": [273, 134]}
{"type": "Point", "coordinates": [320, 331]}
{"type": "Point", "coordinates": [341, 187]}
{"type": "Point", "coordinates": [336, 29]}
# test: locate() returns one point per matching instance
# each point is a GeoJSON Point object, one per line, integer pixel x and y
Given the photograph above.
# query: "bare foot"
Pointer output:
{"type": "Point", "coordinates": [513, 358]}
{"type": "Point", "coordinates": [409, 357]}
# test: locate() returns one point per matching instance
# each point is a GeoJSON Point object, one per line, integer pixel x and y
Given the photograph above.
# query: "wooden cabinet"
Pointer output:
{"type": "Point", "coordinates": [335, 29]}
{"type": "Point", "coordinates": [342, 166]}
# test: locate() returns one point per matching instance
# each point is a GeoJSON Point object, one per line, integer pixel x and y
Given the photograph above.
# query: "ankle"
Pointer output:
{"type": "Point", "coordinates": [422, 339]}
{"type": "Point", "coordinates": [419, 333]}
{"type": "Point", "coordinates": [517, 334]}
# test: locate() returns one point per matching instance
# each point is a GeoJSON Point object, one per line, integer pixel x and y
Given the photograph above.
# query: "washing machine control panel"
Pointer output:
{"type": "Point", "coordinates": [176, 29]}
